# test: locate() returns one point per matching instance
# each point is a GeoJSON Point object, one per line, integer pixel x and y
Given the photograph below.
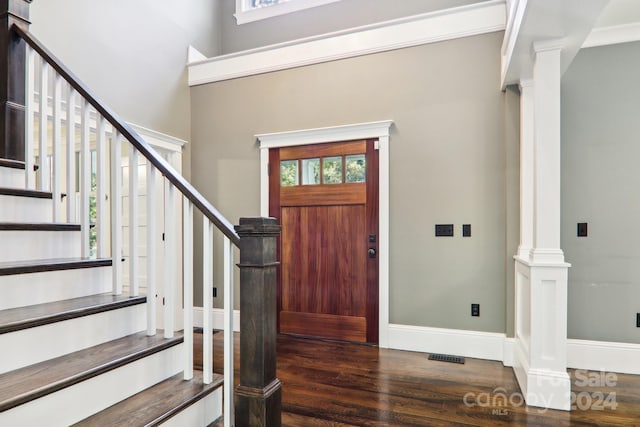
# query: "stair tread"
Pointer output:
{"type": "Point", "coordinates": [39, 226]}
{"type": "Point", "coordinates": [54, 264]}
{"type": "Point", "coordinates": [14, 164]}
{"type": "Point", "coordinates": [32, 382]}
{"type": "Point", "coordinates": [7, 191]}
{"type": "Point", "coordinates": [155, 404]}
{"type": "Point", "coordinates": [15, 319]}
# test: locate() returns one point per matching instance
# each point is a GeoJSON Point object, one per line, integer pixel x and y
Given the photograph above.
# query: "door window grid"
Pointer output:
{"type": "Point", "coordinates": [349, 169]}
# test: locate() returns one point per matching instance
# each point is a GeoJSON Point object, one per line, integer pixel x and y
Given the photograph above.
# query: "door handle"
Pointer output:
{"type": "Point", "coordinates": [372, 252]}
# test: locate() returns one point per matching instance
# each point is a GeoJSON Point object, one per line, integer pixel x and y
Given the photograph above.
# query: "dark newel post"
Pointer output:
{"type": "Point", "coordinates": [12, 79]}
{"type": "Point", "coordinates": [258, 397]}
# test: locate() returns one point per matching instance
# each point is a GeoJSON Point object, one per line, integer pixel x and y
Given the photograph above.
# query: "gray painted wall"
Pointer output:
{"type": "Point", "coordinates": [600, 175]}
{"type": "Point", "coordinates": [449, 163]}
{"type": "Point", "coordinates": [132, 53]}
{"type": "Point", "coordinates": [319, 20]}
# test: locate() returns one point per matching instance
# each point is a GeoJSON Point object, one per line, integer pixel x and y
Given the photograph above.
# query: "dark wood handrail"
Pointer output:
{"type": "Point", "coordinates": [132, 136]}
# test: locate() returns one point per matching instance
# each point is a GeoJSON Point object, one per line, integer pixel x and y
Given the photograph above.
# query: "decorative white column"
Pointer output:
{"type": "Point", "coordinates": [540, 358]}
{"type": "Point", "coordinates": [526, 168]}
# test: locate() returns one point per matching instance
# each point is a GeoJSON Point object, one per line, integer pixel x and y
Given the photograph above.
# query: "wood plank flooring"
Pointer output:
{"type": "Point", "coordinates": [326, 383]}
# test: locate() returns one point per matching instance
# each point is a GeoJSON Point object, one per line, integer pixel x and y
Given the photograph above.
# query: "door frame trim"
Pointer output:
{"type": "Point", "coordinates": [371, 130]}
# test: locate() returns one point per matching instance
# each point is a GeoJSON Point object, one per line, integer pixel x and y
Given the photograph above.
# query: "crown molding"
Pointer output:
{"type": "Point", "coordinates": [615, 34]}
{"type": "Point", "coordinates": [448, 24]}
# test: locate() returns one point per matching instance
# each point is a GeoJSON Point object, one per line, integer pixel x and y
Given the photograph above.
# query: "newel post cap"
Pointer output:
{"type": "Point", "coordinates": [258, 226]}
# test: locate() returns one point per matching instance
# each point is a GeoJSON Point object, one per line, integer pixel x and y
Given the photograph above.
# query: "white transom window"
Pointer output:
{"type": "Point", "coordinates": [254, 10]}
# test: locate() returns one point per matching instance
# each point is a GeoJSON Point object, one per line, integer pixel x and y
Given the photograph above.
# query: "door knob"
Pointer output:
{"type": "Point", "coordinates": [372, 252]}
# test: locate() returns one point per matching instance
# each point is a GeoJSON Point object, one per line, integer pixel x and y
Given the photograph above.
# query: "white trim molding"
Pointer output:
{"type": "Point", "coordinates": [480, 345]}
{"type": "Point", "coordinates": [158, 139]}
{"type": "Point", "coordinates": [217, 315]}
{"type": "Point", "coordinates": [379, 130]}
{"type": "Point", "coordinates": [464, 21]}
{"type": "Point", "coordinates": [615, 34]}
{"type": "Point", "coordinates": [246, 14]}
{"type": "Point", "coordinates": [604, 356]}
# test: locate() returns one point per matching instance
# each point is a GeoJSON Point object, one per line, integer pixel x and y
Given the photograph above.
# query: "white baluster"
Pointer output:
{"type": "Point", "coordinates": [102, 223]}
{"type": "Point", "coordinates": [44, 182]}
{"type": "Point", "coordinates": [116, 212]}
{"type": "Point", "coordinates": [169, 261]}
{"type": "Point", "coordinates": [30, 180]}
{"type": "Point", "coordinates": [71, 156]}
{"type": "Point", "coordinates": [56, 173]}
{"type": "Point", "coordinates": [134, 288]}
{"type": "Point", "coordinates": [207, 283]}
{"type": "Point", "coordinates": [228, 333]}
{"type": "Point", "coordinates": [151, 250]}
{"type": "Point", "coordinates": [187, 283]}
{"type": "Point", "coordinates": [85, 177]}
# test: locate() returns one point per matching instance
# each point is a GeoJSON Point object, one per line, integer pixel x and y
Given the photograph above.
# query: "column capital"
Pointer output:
{"type": "Point", "coordinates": [525, 83]}
{"type": "Point", "coordinates": [548, 45]}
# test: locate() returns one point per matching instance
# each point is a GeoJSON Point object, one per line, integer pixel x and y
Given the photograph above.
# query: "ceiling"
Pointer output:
{"type": "Point", "coordinates": [619, 12]}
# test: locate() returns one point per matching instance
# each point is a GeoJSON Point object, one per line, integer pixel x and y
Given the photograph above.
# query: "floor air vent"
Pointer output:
{"type": "Point", "coordinates": [446, 358]}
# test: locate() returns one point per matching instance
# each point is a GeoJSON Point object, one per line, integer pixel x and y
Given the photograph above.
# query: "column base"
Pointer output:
{"type": "Point", "coordinates": [543, 388]}
{"type": "Point", "coordinates": [259, 407]}
{"type": "Point", "coordinates": [540, 354]}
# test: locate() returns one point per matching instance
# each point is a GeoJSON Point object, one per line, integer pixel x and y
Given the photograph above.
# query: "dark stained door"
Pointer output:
{"type": "Point", "coordinates": [326, 199]}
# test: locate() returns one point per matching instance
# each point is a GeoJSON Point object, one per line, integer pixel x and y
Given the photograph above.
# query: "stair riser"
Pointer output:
{"type": "Point", "coordinates": [12, 178]}
{"type": "Point", "coordinates": [33, 345]}
{"type": "Point", "coordinates": [79, 401]}
{"type": "Point", "coordinates": [28, 245]}
{"type": "Point", "coordinates": [38, 288]}
{"type": "Point", "coordinates": [25, 209]}
{"type": "Point", "coordinates": [202, 413]}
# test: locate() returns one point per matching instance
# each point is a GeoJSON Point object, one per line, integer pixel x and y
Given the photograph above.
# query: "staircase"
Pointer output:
{"type": "Point", "coordinates": [81, 279]}
{"type": "Point", "coordinates": [72, 351]}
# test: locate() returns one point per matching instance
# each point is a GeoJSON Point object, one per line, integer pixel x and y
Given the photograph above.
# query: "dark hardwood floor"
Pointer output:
{"type": "Point", "coordinates": [326, 383]}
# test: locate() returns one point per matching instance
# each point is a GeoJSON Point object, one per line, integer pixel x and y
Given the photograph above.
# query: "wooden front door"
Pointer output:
{"type": "Point", "coordinates": [326, 199]}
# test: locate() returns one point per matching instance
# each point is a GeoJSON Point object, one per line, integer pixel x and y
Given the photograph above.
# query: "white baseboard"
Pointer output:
{"type": "Point", "coordinates": [581, 354]}
{"type": "Point", "coordinates": [480, 345]}
{"type": "Point", "coordinates": [218, 318]}
{"type": "Point", "coordinates": [509, 345]}
{"type": "Point", "coordinates": [604, 356]}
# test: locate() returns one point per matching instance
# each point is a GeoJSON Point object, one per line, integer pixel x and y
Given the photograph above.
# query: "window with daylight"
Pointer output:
{"type": "Point", "coordinates": [255, 10]}
{"type": "Point", "coordinates": [346, 169]}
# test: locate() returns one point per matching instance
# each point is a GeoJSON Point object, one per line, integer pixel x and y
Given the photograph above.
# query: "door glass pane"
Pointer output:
{"type": "Point", "coordinates": [310, 171]}
{"type": "Point", "coordinates": [332, 170]}
{"type": "Point", "coordinates": [288, 173]}
{"type": "Point", "coordinates": [355, 168]}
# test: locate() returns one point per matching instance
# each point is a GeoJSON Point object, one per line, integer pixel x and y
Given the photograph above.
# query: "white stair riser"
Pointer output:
{"type": "Point", "coordinates": [202, 413]}
{"type": "Point", "coordinates": [79, 401]}
{"type": "Point", "coordinates": [38, 288]}
{"type": "Point", "coordinates": [33, 345]}
{"type": "Point", "coordinates": [11, 177]}
{"type": "Point", "coordinates": [29, 245]}
{"type": "Point", "coordinates": [25, 209]}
